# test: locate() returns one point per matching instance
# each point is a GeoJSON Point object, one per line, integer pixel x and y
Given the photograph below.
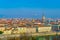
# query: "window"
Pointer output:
{"type": "Point", "coordinates": [59, 27]}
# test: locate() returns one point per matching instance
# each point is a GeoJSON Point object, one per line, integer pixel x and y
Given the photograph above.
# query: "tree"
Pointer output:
{"type": "Point", "coordinates": [1, 32]}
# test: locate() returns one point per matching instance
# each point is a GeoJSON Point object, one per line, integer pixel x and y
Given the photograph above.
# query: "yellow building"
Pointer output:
{"type": "Point", "coordinates": [2, 28]}
{"type": "Point", "coordinates": [31, 30]}
{"type": "Point", "coordinates": [22, 29]}
{"type": "Point", "coordinates": [7, 32]}
{"type": "Point", "coordinates": [44, 29]}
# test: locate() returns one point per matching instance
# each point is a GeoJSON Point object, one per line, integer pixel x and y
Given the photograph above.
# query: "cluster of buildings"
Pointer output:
{"type": "Point", "coordinates": [20, 25]}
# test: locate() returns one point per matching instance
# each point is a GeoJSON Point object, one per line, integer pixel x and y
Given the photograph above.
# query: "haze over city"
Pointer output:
{"type": "Point", "coordinates": [29, 8]}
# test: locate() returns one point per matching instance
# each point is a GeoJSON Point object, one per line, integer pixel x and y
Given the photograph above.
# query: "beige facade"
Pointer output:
{"type": "Point", "coordinates": [7, 32]}
{"type": "Point", "coordinates": [31, 30]}
{"type": "Point", "coordinates": [26, 30]}
{"type": "Point", "coordinates": [44, 29]}
{"type": "Point", "coordinates": [2, 28]}
{"type": "Point", "coordinates": [22, 29]}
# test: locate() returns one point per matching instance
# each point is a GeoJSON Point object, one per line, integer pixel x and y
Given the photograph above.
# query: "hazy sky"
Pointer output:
{"type": "Point", "coordinates": [29, 8]}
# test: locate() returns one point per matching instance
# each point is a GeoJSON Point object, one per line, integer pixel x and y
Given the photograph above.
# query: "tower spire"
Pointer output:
{"type": "Point", "coordinates": [43, 18]}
